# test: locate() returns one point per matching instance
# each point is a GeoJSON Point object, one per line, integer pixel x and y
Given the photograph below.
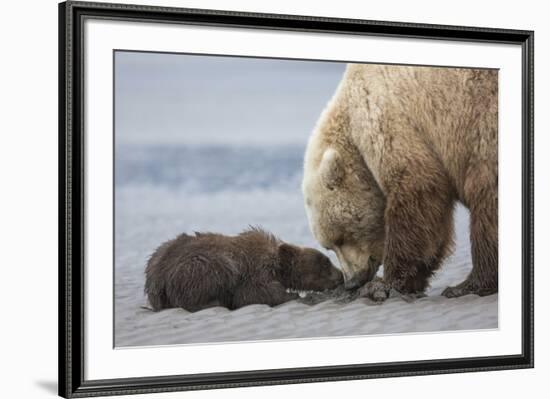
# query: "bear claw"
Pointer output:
{"type": "Point", "coordinates": [461, 290]}
{"type": "Point", "coordinates": [413, 296]}
{"type": "Point", "coordinates": [377, 290]}
{"type": "Point", "coordinates": [455, 292]}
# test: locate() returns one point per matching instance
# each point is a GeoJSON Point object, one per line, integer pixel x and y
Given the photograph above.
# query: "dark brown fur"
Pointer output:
{"type": "Point", "coordinates": [196, 272]}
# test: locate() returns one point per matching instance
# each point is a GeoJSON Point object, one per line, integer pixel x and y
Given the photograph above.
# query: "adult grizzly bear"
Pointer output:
{"type": "Point", "coordinates": [255, 267]}
{"type": "Point", "coordinates": [394, 150]}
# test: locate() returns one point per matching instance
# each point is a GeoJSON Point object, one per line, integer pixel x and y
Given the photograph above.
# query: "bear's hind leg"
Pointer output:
{"type": "Point", "coordinates": [483, 279]}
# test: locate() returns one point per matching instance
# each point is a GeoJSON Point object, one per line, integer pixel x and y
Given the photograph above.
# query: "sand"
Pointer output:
{"type": "Point", "coordinates": [146, 216]}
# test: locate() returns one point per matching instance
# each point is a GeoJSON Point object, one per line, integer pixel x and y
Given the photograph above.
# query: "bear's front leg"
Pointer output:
{"type": "Point", "coordinates": [419, 227]}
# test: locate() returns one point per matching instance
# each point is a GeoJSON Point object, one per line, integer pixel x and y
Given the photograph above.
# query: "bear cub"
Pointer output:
{"type": "Point", "coordinates": [254, 267]}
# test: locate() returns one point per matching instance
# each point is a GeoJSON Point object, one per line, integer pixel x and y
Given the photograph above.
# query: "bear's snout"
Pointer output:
{"type": "Point", "coordinates": [356, 281]}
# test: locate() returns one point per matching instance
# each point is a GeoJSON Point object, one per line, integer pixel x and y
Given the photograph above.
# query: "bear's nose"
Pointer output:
{"type": "Point", "coordinates": [357, 280]}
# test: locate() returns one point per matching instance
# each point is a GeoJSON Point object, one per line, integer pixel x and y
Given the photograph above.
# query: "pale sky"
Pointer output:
{"type": "Point", "coordinates": [189, 99]}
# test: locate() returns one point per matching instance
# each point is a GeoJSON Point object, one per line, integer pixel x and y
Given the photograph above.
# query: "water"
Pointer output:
{"type": "Point", "coordinates": [209, 169]}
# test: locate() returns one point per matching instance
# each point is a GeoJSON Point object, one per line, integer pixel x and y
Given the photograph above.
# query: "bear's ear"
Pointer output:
{"type": "Point", "coordinates": [331, 169]}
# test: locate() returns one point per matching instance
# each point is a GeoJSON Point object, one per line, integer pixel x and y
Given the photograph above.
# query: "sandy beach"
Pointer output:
{"type": "Point", "coordinates": [142, 225]}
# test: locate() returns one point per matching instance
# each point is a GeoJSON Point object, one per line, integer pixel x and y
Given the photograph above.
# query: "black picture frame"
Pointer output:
{"type": "Point", "coordinates": [71, 199]}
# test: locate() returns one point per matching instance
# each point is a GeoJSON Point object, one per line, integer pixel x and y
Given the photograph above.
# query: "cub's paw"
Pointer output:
{"type": "Point", "coordinates": [377, 290]}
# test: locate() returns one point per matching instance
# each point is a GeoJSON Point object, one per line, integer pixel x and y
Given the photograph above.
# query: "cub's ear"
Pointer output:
{"type": "Point", "coordinates": [287, 254]}
{"type": "Point", "coordinates": [331, 169]}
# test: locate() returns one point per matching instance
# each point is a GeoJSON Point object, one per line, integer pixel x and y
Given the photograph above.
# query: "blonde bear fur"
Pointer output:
{"type": "Point", "coordinates": [394, 150]}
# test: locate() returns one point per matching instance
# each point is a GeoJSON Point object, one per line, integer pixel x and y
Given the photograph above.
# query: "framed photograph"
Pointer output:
{"type": "Point", "coordinates": [253, 199]}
